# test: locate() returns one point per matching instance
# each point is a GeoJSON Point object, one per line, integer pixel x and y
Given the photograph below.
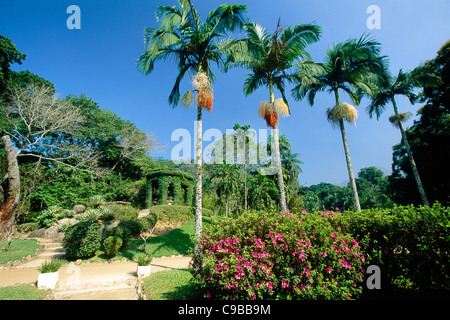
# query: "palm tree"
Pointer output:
{"type": "Point", "coordinates": [243, 130]}
{"type": "Point", "coordinates": [291, 165]}
{"type": "Point", "coordinates": [229, 179]}
{"type": "Point", "coordinates": [346, 67]}
{"type": "Point", "coordinates": [193, 45]}
{"type": "Point", "coordinates": [403, 84]}
{"type": "Point", "coordinates": [270, 57]}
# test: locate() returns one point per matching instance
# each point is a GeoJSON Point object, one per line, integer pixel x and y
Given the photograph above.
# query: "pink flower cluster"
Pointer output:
{"type": "Point", "coordinates": [281, 255]}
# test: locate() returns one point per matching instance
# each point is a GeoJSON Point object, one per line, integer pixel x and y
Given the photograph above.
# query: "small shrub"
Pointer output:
{"type": "Point", "coordinates": [96, 201]}
{"type": "Point", "coordinates": [112, 245]}
{"type": "Point", "coordinates": [120, 231]}
{"type": "Point", "coordinates": [105, 213]}
{"type": "Point", "coordinates": [49, 266]}
{"type": "Point", "coordinates": [143, 259]}
{"type": "Point", "coordinates": [82, 240]}
{"type": "Point", "coordinates": [91, 215]}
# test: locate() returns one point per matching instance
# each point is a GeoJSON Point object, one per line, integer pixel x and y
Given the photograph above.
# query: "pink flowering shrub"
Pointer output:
{"type": "Point", "coordinates": [278, 256]}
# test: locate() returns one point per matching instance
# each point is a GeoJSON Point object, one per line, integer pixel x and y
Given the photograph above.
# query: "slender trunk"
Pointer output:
{"type": "Point", "coordinates": [420, 188]}
{"type": "Point", "coordinates": [199, 165]}
{"type": "Point", "coordinates": [226, 207]}
{"type": "Point", "coordinates": [13, 190]}
{"type": "Point", "coordinates": [279, 168]}
{"type": "Point", "coordinates": [351, 175]}
{"type": "Point", "coordinates": [245, 175]}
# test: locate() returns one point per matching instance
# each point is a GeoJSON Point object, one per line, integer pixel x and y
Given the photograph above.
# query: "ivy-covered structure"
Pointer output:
{"type": "Point", "coordinates": [169, 186]}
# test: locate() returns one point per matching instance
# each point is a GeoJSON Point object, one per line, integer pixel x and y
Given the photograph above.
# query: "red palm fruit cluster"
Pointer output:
{"type": "Point", "coordinates": [271, 117]}
{"type": "Point", "coordinates": [205, 99]}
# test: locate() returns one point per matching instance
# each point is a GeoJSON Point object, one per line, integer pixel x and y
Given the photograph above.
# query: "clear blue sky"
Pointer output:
{"type": "Point", "coordinates": [100, 61]}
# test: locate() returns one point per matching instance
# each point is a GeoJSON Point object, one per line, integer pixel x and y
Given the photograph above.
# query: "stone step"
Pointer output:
{"type": "Point", "coordinates": [50, 255]}
{"type": "Point", "coordinates": [54, 249]}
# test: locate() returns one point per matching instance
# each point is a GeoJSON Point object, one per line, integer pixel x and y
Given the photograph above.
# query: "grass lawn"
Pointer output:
{"type": "Point", "coordinates": [24, 292]}
{"type": "Point", "coordinates": [17, 250]}
{"type": "Point", "coordinates": [170, 285]}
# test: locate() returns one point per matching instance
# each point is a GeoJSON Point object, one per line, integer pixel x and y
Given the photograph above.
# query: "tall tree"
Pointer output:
{"type": "Point", "coordinates": [403, 84]}
{"type": "Point", "coordinates": [193, 44]}
{"type": "Point", "coordinates": [8, 55]}
{"type": "Point", "coordinates": [346, 67]}
{"type": "Point", "coordinates": [40, 127]}
{"type": "Point", "coordinates": [270, 57]}
{"type": "Point", "coordinates": [429, 139]}
{"type": "Point", "coordinates": [242, 132]}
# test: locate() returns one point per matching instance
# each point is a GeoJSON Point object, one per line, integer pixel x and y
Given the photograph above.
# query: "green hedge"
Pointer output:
{"type": "Point", "coordinates": [177, 213]}
{"type": "Point", "coordinates": [410, 244]}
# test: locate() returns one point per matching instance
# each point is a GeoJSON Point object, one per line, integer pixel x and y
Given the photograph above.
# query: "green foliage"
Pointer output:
{"type": "Point", "coordinates": [96, 201]}
{"type": "Point", "coordinates": [112, 245]}
{"type": "Point", "coordinates": [408, 243]}
{"type": "Point", "coordinates": [127, 229]}
{"type": "Point", "coordinates": [47, 217]}
{"type": "Point", "coordinates": [144, 259]}
{"type": "Point", "coordinates": [123, 211]}
{"type": "Point", "coordinates": [91, 215]}
{"type": "Point", "coordinates": [429, 141]}
{"type": "Point", "coordinates": [8, 55]}
{"type": "Point", "coordinates": [49, 266]}
{"type": "Point", "coordinates": [278, 256]}
{"type": "Point", "coordinates": [27, 227]}
{"type": "Point", "coordinates": [82, 240]}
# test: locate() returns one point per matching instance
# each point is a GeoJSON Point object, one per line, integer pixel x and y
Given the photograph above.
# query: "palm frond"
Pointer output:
{"type": "Point", "coordinates": [227, 18]}
{"type": "Point", "coordinates": [188, 98]}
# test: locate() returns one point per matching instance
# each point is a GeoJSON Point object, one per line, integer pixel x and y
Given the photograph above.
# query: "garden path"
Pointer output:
{"type": "Point", "coordinates": [87, 281]}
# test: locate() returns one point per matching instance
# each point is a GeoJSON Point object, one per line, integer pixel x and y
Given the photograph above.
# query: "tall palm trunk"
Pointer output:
{"type": "Point", "coordinates": [351, 175]}
{"type": "Point", "coordinates": [410, 156]}
{"type": "Point", "coordinates": [276, 144]}
{"type": "Point", "coordinates": [245, 177]}
{"type": "Point", "coordinates": [199, 165]}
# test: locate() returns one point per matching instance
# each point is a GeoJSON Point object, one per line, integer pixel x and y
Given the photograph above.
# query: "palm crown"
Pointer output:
{"type": "Point", "coordinates": [182, 37]}
{"type": "Point", "coordinates": [348, 66]}
{"type": "Point", "coordinates": [269, 56]}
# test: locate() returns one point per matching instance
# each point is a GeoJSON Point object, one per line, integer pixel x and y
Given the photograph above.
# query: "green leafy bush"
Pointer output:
{"type": "Point", "coordinates": [410, 245]}
{"type": "Point", "coordinates": [278, 256]}
{"type": "Point", "coordinates": [47, 217]}
{"type": "Point", "coordinates": [91, 215]}
{"type": "Point", "coordinates": [112, 245]}
{"type": "Point", "coordinates": [82, 240]}
{"type": "Point", "coordinates": [96, 201]}
{"type": "Point", "coordinates": [143, 259]}
{"type": "Point", "coordinates": [131, 228]}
